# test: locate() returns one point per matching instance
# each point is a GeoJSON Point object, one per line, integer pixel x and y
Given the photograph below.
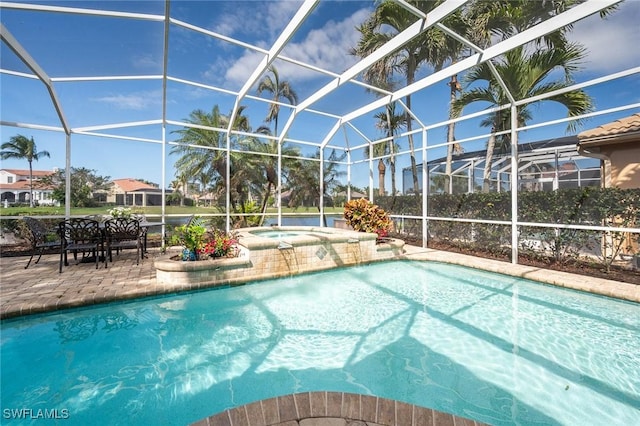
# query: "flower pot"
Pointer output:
{"type": "Point", "coordinates": [189, 255]}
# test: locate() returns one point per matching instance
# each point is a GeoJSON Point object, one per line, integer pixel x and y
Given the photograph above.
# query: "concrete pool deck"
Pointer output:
{"type": "Point", "coordinates": [41, 288]}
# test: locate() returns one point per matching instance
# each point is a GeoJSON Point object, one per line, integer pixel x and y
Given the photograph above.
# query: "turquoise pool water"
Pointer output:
{"type": "Point", "coordinates": [495, 348]}
{"type": "Point", "coordinates": [276, 234]}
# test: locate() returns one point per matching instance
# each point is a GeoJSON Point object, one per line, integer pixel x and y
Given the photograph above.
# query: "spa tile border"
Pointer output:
{"type": "Point", "coordinates": [332, 409]}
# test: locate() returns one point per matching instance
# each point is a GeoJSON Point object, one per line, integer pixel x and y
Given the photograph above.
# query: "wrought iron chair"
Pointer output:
{"type": "Point", "coordinates": [123, 233]}
{"type": "Point", "coordinates": [41, 238]}
{"type": "Point", "coordinates": [81, 235]}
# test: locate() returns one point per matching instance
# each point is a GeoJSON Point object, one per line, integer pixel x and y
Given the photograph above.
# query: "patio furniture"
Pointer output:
{"type": "Point", "coordinates": [122, 233]}
{"type": "Point", "coordinates": [41, 238]}
{"type": "Point", "coordinates": [80, 235]}
{"type": "Point", "coordinates": [144, 231]}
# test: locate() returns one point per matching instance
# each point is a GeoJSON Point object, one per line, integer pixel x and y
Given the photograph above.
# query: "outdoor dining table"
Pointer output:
{"type": "Point", "coordinates": [144, 224]}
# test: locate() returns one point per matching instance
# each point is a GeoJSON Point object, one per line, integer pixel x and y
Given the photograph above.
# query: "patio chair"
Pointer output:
{"type": "Point", "coordinates": [81, 235]}
{"type": "Point", "coordinates": [123, 233]}
{"type": "Point", "coordinates": [41, 238]}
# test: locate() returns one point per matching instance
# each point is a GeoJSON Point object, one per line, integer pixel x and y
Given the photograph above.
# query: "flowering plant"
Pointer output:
{"type": "Point", "coordinates": [124, 212]}
{"type": "Point", "coordinates": [200, 244]}
{"type": "Point", "coordinates": [221, 244]}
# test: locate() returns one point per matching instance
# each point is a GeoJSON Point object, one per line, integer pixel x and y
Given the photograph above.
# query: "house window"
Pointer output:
{"type": "Point", "coordinates": [9, 179]}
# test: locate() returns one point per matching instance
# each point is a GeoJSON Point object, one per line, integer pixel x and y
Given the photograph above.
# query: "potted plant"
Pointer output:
{"type": "Point", "coordinates": [362, 215]}
{"type": "Point", "coordinates": [191, 237]}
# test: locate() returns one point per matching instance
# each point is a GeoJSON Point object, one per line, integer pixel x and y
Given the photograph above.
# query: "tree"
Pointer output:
{"type": "Point", "coordinates": [525, 74]}
{"type": "Point", "coordinates": [390, 123]}
{"type": "Point", "coordinates": [22, 148]}
{"type": "Point", "coordinates": [388, 20]}
{"type": "Point", "coordinates": [267, 165]}
{"type": "Point", "coordinates": [501, 19]}
{"type": "Point", "coordinates": [304, 180]}
{"type": "Point", "coordinates": [279, 90]}
{"type": "Point", "coordinates": [84, 183]}
{"type": "Point", "coordinates": [202, 150]}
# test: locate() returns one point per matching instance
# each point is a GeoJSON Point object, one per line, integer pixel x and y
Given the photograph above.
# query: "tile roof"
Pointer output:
{"type": "Point", "coordinates": [619, 127]}
{"type": "Point", "coordinates": [24, 185]}
{"type": "Point", "coordinates": [130, 185]}
{"type": "Point", "coordinates": [25, 172]}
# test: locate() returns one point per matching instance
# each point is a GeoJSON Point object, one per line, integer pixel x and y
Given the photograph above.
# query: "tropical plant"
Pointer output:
{"type": "Point", "coordinates": [364, 216]}
{"type": "Point", "coordinates": [191, 236]}
{"type": "Point", "coordinates": [305, 182]}
{"type": "Point", "coordinates": [390, 123]}
{"type": "Point", "coordinates": [279, 90]}
{"type": "Point", "coordinates": [388, 20]}
{"type": "Point", "coordinates": [201, 147]}
{"type": "Point", "coordinates": [488, 21]}
{"type": "Point", "coordinates": [524, 74]}
{"type": "Point", "coordinates": [266, 165]}
{"type": "Point", "coordinates": [22, 148]}
{"type": "Point", "coordinates": [220, 244]}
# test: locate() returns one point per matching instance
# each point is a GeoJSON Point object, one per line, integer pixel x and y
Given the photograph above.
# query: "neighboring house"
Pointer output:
{"type": "Point", "coordinates": [132, 192]}
{"type": "Point", "coordinates": [15, 186]}
{"type": "Point", "coordinates": [617, 145]}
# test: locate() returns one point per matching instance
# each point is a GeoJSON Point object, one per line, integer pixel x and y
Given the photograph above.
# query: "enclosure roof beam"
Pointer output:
{"type": "Point", "coordinates": [566, 18]}
{"type": "Point", "coordinates": [392, 45]}
{"type": "Point", "coordinates": [291, 28]}
{"type": "Point", "coordinates": [21, 52]}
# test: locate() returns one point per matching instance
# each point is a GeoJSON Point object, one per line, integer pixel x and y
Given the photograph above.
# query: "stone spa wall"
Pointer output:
{"type": "Point", "coordinates": [273, 252]}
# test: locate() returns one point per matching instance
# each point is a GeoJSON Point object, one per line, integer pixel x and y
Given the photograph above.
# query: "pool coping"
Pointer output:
{"type": "Point", "coordinates": [332, 409]}
{"type": "Point", "coordinates": [594, 285]}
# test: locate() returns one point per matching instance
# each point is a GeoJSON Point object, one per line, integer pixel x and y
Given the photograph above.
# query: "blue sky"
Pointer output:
{"type": "Point", "coordinates": [84, 46]}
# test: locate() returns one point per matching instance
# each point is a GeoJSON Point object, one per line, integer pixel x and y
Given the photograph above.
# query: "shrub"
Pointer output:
{"type": "Point", "coordinates": [364, 216]}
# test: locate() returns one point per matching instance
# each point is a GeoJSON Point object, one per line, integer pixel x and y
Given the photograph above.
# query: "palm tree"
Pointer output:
{"type": "Point", "coordinates": [525, 75]}
{"type": "Point", "coordinates": [267, 165]}
{"type": "Point", "coordinates": [20, 147]}
{"type": "Point", "coordinates": [279, 90]}
{"type": "Point", "coordinates": [388, 20]}
{"type": "Point", "coordinates": [389, 122]}
{"type": "Point", "coordinates": [304, 179]}
{"type": "Point", "coordinates": [202, 150]}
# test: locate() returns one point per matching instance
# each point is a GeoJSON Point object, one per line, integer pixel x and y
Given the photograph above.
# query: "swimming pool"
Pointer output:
{"type": "Point", "coordinates": [495, 348]}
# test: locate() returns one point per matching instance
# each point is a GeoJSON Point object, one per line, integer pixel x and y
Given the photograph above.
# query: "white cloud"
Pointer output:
{"type": "Point", "coordinates": [612, 42]}
{"type": "Point", "coordinates": [147, 62]}
{"type": "Point", "coordinates": [134, 101]}
{"type": "Point", "coordinates": [267, 21]}
{"type": "Point", "coordinates": [326, 47]}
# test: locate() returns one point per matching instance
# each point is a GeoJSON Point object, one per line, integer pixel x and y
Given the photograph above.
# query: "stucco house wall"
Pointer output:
{"type": "Point", "coordinates": [617, 145]}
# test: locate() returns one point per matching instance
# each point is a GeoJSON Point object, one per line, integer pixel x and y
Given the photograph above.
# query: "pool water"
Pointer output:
{"type": "Point", "coordinates": [494, 348]}
{"type": "Point", "coordinates": [276, 234]}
